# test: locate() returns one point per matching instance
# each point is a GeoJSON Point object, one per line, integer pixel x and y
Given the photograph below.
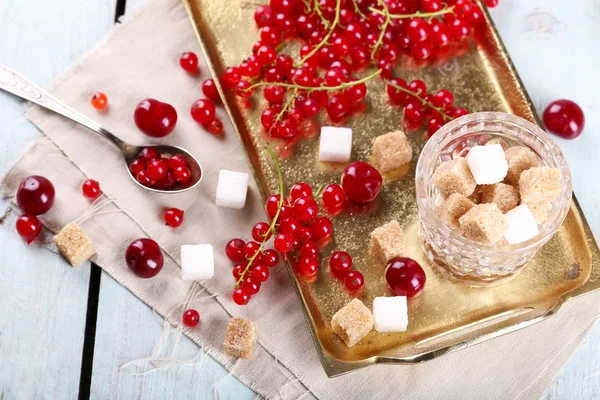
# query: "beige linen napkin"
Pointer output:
{"type": "Point", "coordinates": [139, 59]}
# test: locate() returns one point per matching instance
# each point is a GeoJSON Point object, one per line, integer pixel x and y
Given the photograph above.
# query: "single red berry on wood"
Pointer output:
{"type": "Point", "coordinates": [91, 189]}
{"type": "Point", "coordinates": [189, 62]}
{"type": "Point", "coordinates": [29, 227]}
{"type": "Point", "coordinates": [203, 111]}
{"type": "Point", "coordinates": [191, 318]}
{"type": "Point", "coordinates": [173, 217]}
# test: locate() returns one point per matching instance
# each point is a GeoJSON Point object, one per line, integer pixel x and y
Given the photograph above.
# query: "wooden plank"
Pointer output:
{"type": "Point", "coordinates": [44, 301]}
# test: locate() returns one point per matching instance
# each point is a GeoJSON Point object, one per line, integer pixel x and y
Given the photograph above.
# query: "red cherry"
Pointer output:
{"type": "Point", "coordinates": [29, 227]}
{"type": "Point", "coordinates": [99, 101]}
{"type": "Point", "coordinates": [173, 217]}
{"type": "Point", "coordinates": [35, 195]}
{"type": "Point", "coordinates": [191, 318]}
{"type": "Point", "coordinates": [260, 273]}
{"type": "Point", "coordinates": [91, 189]}
{"type": "Point", "coordinates": [308, 266]}
{"type": "Point", "coordinates": [235, 250]}
{"type": "Point", "coordinates": [354, 281]}
{"type": "Point", "coordinates": [361, 182]}
{"type": "Point", "coordinates": [209, 88]}
{"type": "Point", "coordinates": [322, 229]}
{"type": "Point", "coordinates": [263, 15]}
{"type": "Point", "coordinates": [189, 62]}
{"type": "Point", "coordinates": [564, 118]}
{"type": "Point", "coordinates": [259, 232]}
{"type": "Point", "coordinates": [144, 258]}
{"type": "Point", "coordinates": [203, 111]}
{"type": "Point", "coordinates": [405, 276]}
{"type": "Point", "coordinates": [305, 209]}
{"type": "Point", "coordinates": [270, 258]}
{"type": "Point", "coordinates": [240, 296]}
{"type": "Point", "coordinates": [157, 169]}
{"type": "Point", "coordinates": [154, 118]}
{"type": "Point", "coordinates": [340, 263]}
{"type": "Point", "coordinates": [251, 249]}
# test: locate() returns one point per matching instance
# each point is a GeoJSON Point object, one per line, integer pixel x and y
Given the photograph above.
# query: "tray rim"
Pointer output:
{"type": "Point", "coordinates": [335, 367]}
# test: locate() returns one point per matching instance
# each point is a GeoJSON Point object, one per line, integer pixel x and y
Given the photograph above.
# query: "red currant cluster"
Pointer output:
{"type": "Point", "coordinates": [342, 37]}
{"type": "Point", "coordinates": [419, 106]}
{"type": "Point", "coordinates": [153, 170]}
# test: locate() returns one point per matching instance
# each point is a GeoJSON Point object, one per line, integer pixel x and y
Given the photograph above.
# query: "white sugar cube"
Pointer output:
{"type": "Point", "coordinates": [197, 262]}
{"type": "Point", "coordinates": [521, 225]}
{"type": "Point", "coordinates": [335, 144]}
{"type": "Point", "coordinates": [232, 189]}
{"type": "Point", "coordinates": [391, 314]}
{"type": "Point", "coordinates": [487, 164]}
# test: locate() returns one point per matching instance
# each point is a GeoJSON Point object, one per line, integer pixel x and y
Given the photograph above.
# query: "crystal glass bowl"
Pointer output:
{"type": "Point", "coordinates": [454, 255]}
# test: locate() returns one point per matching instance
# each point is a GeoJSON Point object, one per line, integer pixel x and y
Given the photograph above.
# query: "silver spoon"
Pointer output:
{"type": "Point", "coordinates": [14, 83]}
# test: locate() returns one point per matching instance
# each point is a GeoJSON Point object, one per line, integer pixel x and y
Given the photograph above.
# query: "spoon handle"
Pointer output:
{"type": "Point", "coordinates": [16, 84]}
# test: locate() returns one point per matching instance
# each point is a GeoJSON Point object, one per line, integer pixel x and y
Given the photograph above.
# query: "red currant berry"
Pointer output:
{"type": "Point", "coordinates": [304, 233]}
{"type": "Point", "coordinates": [235, 250]}
{"type": "Point", "coordinates": [431, 5]}
{"type": "Point", "coordinates": [397, 96]}
{"type": "Point", "coordinates": [355, 33]}
{"type": "Point", "coordinates": [173, 217]}
{"type": "Point", "coordinates": [309, 249]}
{"type": "Point", "coordinates": [260, 232]}
{"type": "Point", "coordinates": [361, 182]}
{"type": "Point", "coordinates": [340, 263]}
{"type": "Point", "coordinates": [333, 197]}
{"type": "Point", "coordinates": [250, 67]}
{"type": "Point", "coordinates": [356, 93]}
{"type": "Point", "coordinates": [148, 154]}
{"type": "Point", "coordinates": [215, 127]}
{"type": "Point", "coordinates": [491, 3]}
{"type": "Point", "coordinates": [300, 189]}
{"type": "Point", "coordinates": [289, 225]}
{"type": "Point", "coordinates": [417, 30]}
{"type": "Point", "coordinates": [286, 129]}
{"type": "Point", "coordinates": [305, 209]}
{"type": "Point", "coordinates": [308, 266]}
{"type": "Point", "coordinates": [29, 227]}
{"type": "Point", "coordinates": [251, 249]}
{"type": "Point", "coordinates": [99, 101]}
{"type": "Point", "coordinates": [565, 118]}
{"type": "Point", "coordinates": [459, 112]}
{"type": "Point", "coordinates": [210, 90]}
{"type": "Point", "coordinates": [433, 125]}
{"type": "Point", "coordinates": [420, 51]}
{"type": "Point", "coordinates": [268, 117]}
{"type": "Point", "coordinates": [143, 178]}
{"type": "Point", "coordinates": [354, 281]}
{"type": "Point", "coordinates": [232, 76]}
{"type": "Point", "coordinates": [417, 86]}
{"type": "Point", "coordinates": [251, 285]}
{"type": "Point", "coordinates": [322, 229]}
{"type": "Point", "coordinates": [336, 106]}
{"type": "Point", "coordinates": [310, 108]}
{"type": "Point", "coordinates": [203, 111]}
{"type": "Point", "coordinates": [413, 112]}
{"type": "Point", "coordinates": [177, 160]}
{"type": "Point", "coordinates": [263, 16]}
{"type": "Point", "coordinates": [144, 258]}
{"type": "Point", "coordinates": [284, 242]}
{"type": "Point", "coordinates": [238, 270]}
{"type": "Point", "coordinates": [266, 54]}
{"type": "Point", "coordinates": [243, 90]}
{"type": "Point", "coordinates": [270, 258]}
{"type": "Point", "coordinates": [189, 62]}
{"type": "Point", "coordinates": [154, 118]}
{"type": "Point", "coordinates": [359, 57]}
{"type": "Point", "coordinates": [182, 174]}
{"type": "Point", "coordinates": [274, 94]}
{"type": "Point", "coordinates": [260, 273]}
{"type": "Point", "coordinates": [157, 169]}
{"type": "Point", "coordinates": [136, 166]}
{"type": "Point", "coordinates": [91, 189]}
{"type": "Point", "coordinates": [166, 182]}
{"type": "Point", "coordinates": [270, 35]}
{"type": "Point", "coordinates": [35, 195]}
{"type": "Point", "coordinates": [191, 318]}
{"type": "Point", "coordinates": [240, 296]}
{"type": "Point", "coordinates": [443, 99]}
{"type": "Point", "coordinates": [405, 276]}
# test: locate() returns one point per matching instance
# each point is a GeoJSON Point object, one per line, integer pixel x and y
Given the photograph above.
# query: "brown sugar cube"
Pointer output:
{"type": "Point", "coordinates": [454, 176]}
{"type": "Point", "coordinates": [475, 197]}
{"type": "Point", "coordinates": [388, 241]}
{"type": "Point", "coordinates": [539, 210]}
{"type": "Point", "coordinates": [392, 151]}
{"type": "Point", "coordinates": [454, 207]}
{"type": "Point", "coordinates": [240, 338]}
{"type": "Point", "coordinates": [540, 184]}
{"type": "Point", "coordinates": [519, 159]}
{"type": "Point", "coordinates": [506, 197]}
{"type": "Point", "coordinates": [484, 223]}
{"type": "Point", "coordinates": [352, 322]}
{"type": "Point", "coordinates": [74, 244]}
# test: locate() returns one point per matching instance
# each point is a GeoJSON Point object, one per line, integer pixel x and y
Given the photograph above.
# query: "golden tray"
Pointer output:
{"type": "Point", "coordinates": [447, 316]}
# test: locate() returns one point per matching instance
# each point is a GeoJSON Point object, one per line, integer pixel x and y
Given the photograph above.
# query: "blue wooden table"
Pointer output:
{"type": "Point", "coordinates": [65, 332]}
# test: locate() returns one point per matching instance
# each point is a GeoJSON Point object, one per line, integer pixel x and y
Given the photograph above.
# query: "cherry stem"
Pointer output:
{"type": "Point", "coordinates": [309, 89]}
{"type": "Point", "coordinates": [418, 14]}
{"type": "Point", "coordinates": [326, 38]}
{"type": "Point", "coordinates": [273, 222]}
{"type": "Point", "coordinates": [387, 21]}
{"type": "Point", "coordinates": [317, 9]}
{"type": "Point", "coordinates": [423, 101]}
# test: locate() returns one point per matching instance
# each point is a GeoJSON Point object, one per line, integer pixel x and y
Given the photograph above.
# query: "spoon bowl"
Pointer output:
{"type": "Point", "coordinates": [21, 87]}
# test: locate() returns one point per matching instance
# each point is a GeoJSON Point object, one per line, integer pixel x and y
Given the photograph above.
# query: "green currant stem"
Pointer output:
{"type": "Point", "coordinates": [317, 9]}
{"type": "Point", "coordinates": [272, 226]}
{"type": "Point", "coordinates": [326, 38]}
{"type": "Point", "coordinates": [319, 191]}
{"type": "Point", "coordinates": [387, 21]}
{"type": "Point", "coordinates": [309, 89]}
{"type": "Point", "coordinates": [423, 101]}
{"type": "Point", "coordinates": [357, 10]}
{"type": "Point", "coordinates": [418, 14]}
